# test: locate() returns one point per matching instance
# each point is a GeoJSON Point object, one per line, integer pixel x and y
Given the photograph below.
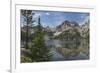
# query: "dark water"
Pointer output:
{"type": "Point", "coordinates": [54, 44]}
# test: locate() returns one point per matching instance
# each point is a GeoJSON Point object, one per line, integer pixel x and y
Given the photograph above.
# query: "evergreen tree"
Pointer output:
{"type": "Point", "coordinates": [39, 50]}
{"type": "Point", "coordinates": [27, 15]}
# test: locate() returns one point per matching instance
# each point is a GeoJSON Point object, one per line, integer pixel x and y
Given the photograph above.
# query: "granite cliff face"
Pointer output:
{"type": "Point", "coordinates": [66, 26]}
{"type": "Point", "coordinates": [71, 25]}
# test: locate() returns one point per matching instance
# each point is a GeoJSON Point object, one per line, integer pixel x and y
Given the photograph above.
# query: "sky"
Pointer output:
{"type": "Point", "coordinates": [53, 19]}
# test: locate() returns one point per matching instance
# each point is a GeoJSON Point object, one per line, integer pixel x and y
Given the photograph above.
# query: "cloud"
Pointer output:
{"type": "Point", "coordinates": [86, 18]}
{"type": "Point", "coordinates": [47, 13]}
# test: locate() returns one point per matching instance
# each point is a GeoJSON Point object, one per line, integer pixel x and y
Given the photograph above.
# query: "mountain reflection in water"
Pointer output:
{"type": "Point", "coordinates": [56, 45]}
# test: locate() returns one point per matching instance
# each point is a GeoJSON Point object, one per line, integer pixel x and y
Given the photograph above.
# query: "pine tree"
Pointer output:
{"type": "Point", "coordinates": [27, 15]}
{"type": "Point", "coordinates": [39, 50]}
